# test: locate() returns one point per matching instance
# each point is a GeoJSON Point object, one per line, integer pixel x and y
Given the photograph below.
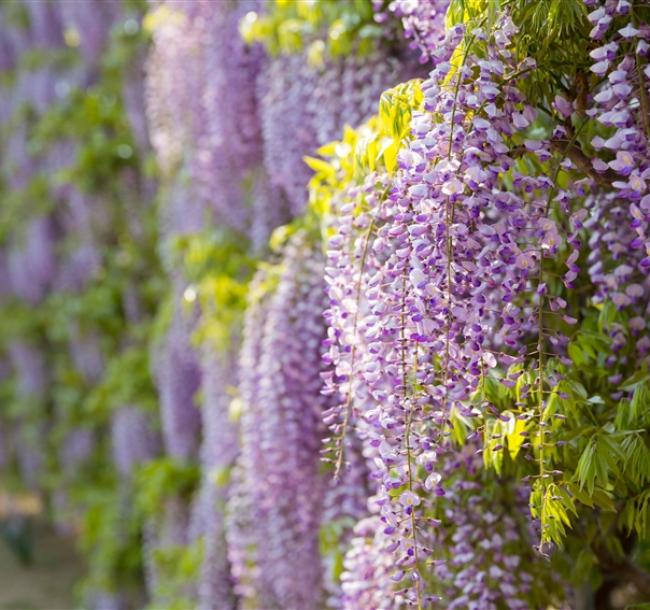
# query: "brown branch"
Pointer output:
{"type": "Point", "coordinates": [583, 163]}
{"type": "Point", "coordinates": [624, 571]}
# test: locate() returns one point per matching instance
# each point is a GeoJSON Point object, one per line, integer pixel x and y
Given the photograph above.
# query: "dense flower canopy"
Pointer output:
{"type": "Point", "coordinates": [331, 304]}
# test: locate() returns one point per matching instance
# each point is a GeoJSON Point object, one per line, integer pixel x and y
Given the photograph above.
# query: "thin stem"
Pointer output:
{"type": "Point", "coordinates": [448, 220]}
{"type": "Point", "coordinates": [643, 94]}
{"type": "Point", "coordinates": [407, 439]}
{"type": "Point", "coordinates": [347, 409]}
{"type": "Point", "coordinates": [540, 368]}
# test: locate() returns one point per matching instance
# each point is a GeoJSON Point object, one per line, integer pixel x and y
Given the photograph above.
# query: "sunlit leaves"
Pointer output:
{"type": "Point", "coordinates": [554, 507]}
{"type": "Point", "coordinates": [505, 434]}
{"type": "Point", "coordinates": [600, 458]}
{"type": "Point", "coordinates": [179, 568]}
{"type": "Point", "coordinates": [219, 270]}
{"type": "Point", "coordinates": [596, 449]}
{"type": "Point", "coordinates": [163, 478]}
{"type": "Point", "coordinates": [339, 28]}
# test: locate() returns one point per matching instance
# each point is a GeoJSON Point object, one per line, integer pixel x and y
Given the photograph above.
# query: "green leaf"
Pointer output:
{"type": "Point", "coordinates": [575, 353]}
{"type": "Point", "coordinates": [603, 500]}
{"type": "Point", "coordinates": [459, 427]}
{"type": "Point", "coordinates": [586, 469]}
{"type": "Point", "coordinates": [513, 432]}
{"type": "Point", "coordinates": [319, 165]}
{"type": "Point", "coordinates": [581, 495]}
{"type": "Point", "coordinates": [390, 156]}
{"type": "Point", "coordinates": [632, 382]}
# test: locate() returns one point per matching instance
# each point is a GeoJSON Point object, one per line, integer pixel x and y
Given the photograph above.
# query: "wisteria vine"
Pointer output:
{"type": "Point", "coordinates": [331, 304]}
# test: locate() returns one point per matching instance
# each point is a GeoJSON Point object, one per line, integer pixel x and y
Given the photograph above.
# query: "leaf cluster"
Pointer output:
{"type": "Point", "coordinates": [160, 479]}
{"type": "Point", "coordinates": [219, 268]}
{"type": "Point", "coordinates": [322, 27]}
{"type": "Point", "coordinates": [588, 455]}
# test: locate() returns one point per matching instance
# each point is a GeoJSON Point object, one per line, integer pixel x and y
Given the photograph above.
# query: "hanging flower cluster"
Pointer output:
{"type": "Point", "coordinates": [179, 379]}
{"type": "Point", "coordinates": [487, 539]}
{"type": "Point", "coordinates": [440, 264]}
{"type": "Point", "coordinates": [218, 451]}
{"type": "Point", "coordinates": [304, 106]}
{"type": "Point", "coordinates": [423, 22]}
{"type": "Point", "coordinates": [428, 390]}
{"type": "Point", "coordinates": [133, 440]}
{"type": "Point", "coordinates": [199, 130]}
{"type": "Point", "coordinates": [280, 438]}
{"type": "Point", "coordinates": [620, 106]}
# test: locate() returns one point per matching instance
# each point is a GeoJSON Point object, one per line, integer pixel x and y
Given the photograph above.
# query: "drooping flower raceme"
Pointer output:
{"type": "Point", "coordinates": [244, 510]}
{"type": "Point", "coordinates": [133, 439]}
{"type": "Point", "coordinates": [443, 279]}
{"type": "Point", "coordinates": [310, 108]}
{"type": "Point", "coordinates": [282, 425]}
{"type": "Point", "coordinates": [178, 378]}
{"type": "Point", "coordinates": [619, 261]}
{"type": "Point", "coordinates": [487, 556]}
{"type": "Point", "coordinates": [423, 22]}
{"type": "Point", "coordinates": [218, 451]}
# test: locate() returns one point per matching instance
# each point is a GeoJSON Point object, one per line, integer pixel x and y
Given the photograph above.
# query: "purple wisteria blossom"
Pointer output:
{"type": "Point", "coordinates": [619, 222]}
{"type": "Point", "coordinates": [218, 451]}
{"type": "Point", "coordinates": [280, 438]}
{"type": "Point", "coordinates": [423, 22]}
{"type": "Point", "coordinates": [303, 107]}
{"type": "Point", "coordinates": [435, 282]}
{"type": "Point", "coordinates": [178, 375]}
{"type": "Point", "coordinates": [133, 439]}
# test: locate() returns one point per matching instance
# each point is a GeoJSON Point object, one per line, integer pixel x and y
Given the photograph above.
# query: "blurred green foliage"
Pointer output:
{"type": "Point", "coordinates": [110, 170]}
{"type": "Point", "coordinates": [327, 28]}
